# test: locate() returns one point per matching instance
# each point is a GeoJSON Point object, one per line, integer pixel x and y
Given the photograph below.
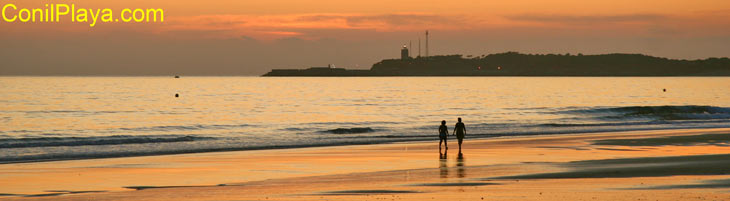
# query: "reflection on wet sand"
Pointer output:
{"type": "Point", "coordinates": [443, 167]}
{"type": "Point", "coordinates": [460, 169]}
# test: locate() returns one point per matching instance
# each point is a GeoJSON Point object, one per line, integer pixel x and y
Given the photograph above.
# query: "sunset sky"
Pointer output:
{"type": "Point", "coordinates": [242, 37]}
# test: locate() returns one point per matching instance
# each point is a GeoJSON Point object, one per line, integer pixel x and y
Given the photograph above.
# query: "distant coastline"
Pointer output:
{"type": "Point", "coordinates": [518, 64]}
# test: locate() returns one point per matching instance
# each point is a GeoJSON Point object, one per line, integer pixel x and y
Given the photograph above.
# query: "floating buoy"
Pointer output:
{"type": "Point", "coordinates": [177, 95]}
{"type": "Point", "coordinates": [664, 90]}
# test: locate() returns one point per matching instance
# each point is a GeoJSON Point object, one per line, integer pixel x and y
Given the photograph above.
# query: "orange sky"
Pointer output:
{"type": "Point", "coordinates": [280, 18]}
{"type": "Point", "coordinates": [669, 28]}
{"type": "Point", "coordinates": [278, 7]}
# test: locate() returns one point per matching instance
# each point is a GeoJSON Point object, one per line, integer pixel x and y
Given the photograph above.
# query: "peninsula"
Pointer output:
{"type": "Point", "coordinates": [518, 64]}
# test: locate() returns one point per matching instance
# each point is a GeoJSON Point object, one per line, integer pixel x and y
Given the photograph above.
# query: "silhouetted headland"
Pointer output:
{"type": "Point", "coordinates": [518, 64]}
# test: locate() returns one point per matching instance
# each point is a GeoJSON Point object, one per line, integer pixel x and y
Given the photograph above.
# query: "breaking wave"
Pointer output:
{"type": "Point", "coordinates": [350, 130]}
{"type": "Point", "coordinates": [97, 140]}
{"type": "Point", "coordinates": [686, 112]}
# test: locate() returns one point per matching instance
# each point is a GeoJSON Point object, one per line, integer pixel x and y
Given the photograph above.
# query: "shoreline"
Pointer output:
{"type": "Point", "coordinates": [285, 147]}
{"type": "Point", "coordinates": [244, 169]}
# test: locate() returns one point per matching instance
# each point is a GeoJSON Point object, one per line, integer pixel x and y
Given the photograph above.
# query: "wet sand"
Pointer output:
{"type": "Point", "coordinates": [637, 165]}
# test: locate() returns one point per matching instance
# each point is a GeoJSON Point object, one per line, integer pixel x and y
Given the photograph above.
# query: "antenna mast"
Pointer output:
{"type": "Point", "coordinates": [410, 47]}
{"type": "Point", "coordinates": [426, 43]}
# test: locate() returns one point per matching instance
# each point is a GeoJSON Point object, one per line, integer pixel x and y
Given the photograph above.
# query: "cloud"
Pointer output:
{"type": "Point", "coordinates": [587, 19]}
{"type": "Point", "coordinates": [718, 12]}
{"type": "Point", "coordinates": [306, 26]}
{"type": "Point", "coordinates": [362, 26]}
{"type": "Point", "coordinates": [390, 21]}
{"type": "Point", "coordinates": [278, 26]}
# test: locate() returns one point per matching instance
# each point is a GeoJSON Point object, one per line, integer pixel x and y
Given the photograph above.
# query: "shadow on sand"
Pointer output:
{"type": "Point", "coordinates": [639, 167]}
{"type": "Point", "coordinates": [363, 192]}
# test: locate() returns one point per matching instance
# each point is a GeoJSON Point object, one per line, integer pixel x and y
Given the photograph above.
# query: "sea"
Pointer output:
{"type": "Point", "coordinates": [67, 118]}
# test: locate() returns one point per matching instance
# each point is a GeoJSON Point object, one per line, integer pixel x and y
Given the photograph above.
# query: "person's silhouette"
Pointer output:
{"type": "Point", "coordinates": [443, 133]}
{"type": "Point", "coordinates": [460, 131]}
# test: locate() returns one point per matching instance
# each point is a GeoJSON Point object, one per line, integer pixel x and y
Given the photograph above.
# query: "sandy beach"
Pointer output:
{"type": "Point", "coordinates": [637, 165]}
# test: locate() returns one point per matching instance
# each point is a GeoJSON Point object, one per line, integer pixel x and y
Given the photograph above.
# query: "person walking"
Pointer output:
{"type": "Point", "coordinates": [460, 132]}
{"type": "Point", "coordinates": [443, 133]}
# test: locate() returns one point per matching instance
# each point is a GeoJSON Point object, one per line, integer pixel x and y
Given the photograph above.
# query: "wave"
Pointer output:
{"type": "Point", "coordinates": [354, 123]}
{"type": "Point", "coordinates": [350, 130]}
{"type": "Point", "coordinates": [67, 111]}
{"type": "Point", "coordinates": [184, 128]}
{"type": "Point", "coordinates": [127, 147]}
{"type": "Point", "coordinates": [683, 112]}
{"type": "Point", "coordinates": [617, 124]}
{"type": "Point", "coordinates": [15, 158]}
{"type": "Point", "coordinates": [99, 140]}
{"type": "Point", "coordinates": [569, 120]}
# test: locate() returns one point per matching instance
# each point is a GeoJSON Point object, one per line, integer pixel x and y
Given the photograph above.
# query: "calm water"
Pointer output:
{"type": "Point", "coordinates": [57, 118]}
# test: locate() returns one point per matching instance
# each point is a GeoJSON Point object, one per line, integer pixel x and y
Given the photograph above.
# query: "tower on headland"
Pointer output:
{"type": "Point", "coordinates": [426, 43]}
{"type": "Point", "coordinates": [404, 53]}
{"type": "Point", "coordinates": [410, 47]}
{"type": "Point", "coordinates": [419, 46]}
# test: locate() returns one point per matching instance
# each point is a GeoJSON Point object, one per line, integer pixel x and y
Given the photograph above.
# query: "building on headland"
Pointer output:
{"type": "Point", "coordinates": [404, 53]}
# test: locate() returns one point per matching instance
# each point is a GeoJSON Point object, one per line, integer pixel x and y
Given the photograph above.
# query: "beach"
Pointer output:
{"type": "Point", "coordinates": [678, 164]}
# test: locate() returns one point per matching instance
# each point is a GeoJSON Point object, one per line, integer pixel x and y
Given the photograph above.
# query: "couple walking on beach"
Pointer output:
{"type": "Point", "coordinates": [459, 131]}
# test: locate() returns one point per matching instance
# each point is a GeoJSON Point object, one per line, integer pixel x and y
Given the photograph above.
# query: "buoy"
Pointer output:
{"type": "Point", "coordinates": [177, 95]}
{"type": "Point", "coordinates": [664, 90]}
